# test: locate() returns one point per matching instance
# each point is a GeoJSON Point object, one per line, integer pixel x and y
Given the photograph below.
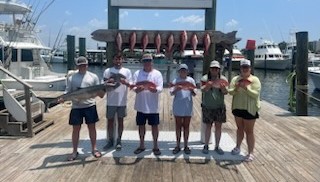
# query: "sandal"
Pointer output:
{"type": "Point", "coordinates": [96, 154]}
{"type": "Point", "coordinates": [73, 156]}
{"type": "Point", "coordinates": [249, 158]}
{"type": "Point", "coordinates": [176, 150]}
{"type": "Point", "coordinates": [139, 150]}
{"type": "Point", "coordinates": [187, 150]}
{"type": "Point", "coordinates": [156, 151]}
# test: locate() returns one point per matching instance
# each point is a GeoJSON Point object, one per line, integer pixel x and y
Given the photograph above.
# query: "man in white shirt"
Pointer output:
{"type": "Point", "coordinates": [149, 84]}
{"type": "Point", "coordinates": [117, 99]}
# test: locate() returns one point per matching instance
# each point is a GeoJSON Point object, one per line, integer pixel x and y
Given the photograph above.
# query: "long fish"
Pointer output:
{"type": "Point", "coordinates": [157, 42]}
{"type": "Point", "coordinates": [119, 42]}
{"type": "Point", "coordinates": [132, 40]}
{"type": "Point", "coordinates": [206, 43]}
{"type": "Point", "coordinates": [144, 41]}
{"type": "Point", "coordinates": [194, 42]}
{"type": "Point", "coordinates": [216, 83]}
{"type": "Point", "coordinates": [147, 85]}
{"type": "Point", "coordinates": [183, 40]}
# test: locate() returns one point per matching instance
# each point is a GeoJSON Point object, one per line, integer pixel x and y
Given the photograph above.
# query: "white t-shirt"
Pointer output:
{"type": "Point", "coordinates": [118, 97]}
{"type": "Point", "coordinates": [146, 101]}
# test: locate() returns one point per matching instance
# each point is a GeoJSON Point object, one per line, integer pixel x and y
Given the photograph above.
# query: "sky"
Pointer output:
{"type": "Point", "coordinates": [273, 20]}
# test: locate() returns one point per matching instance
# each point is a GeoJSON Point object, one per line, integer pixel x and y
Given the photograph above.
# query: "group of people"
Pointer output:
{"type": "Point", "coordinates": [147, 83]}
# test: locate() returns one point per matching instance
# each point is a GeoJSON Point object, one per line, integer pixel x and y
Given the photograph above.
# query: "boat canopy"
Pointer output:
{"type": "Point", "coordinates": [9, 7]}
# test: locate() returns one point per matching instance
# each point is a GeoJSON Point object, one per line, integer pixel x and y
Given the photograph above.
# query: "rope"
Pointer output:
{"type": "Point", "coordinates": [309, 96]}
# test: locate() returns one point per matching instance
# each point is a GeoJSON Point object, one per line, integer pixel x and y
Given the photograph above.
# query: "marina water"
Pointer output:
{"type": "Point", "coordinates": [274, 90]}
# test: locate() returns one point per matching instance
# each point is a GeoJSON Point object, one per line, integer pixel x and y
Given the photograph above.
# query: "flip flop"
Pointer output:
{"type": "Point", "coordinates": [176, 150]}
{"type": "Point", "coordinates": [156, 151]}
{"type": "Point", "coordinates": [139, 150]}
{"type": "Point", "coordinates": [96, 154]}
{"type": "Point", "coordinates": [73, 156]}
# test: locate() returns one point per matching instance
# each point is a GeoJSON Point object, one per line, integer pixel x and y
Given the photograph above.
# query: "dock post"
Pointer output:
{"type": "Point", "coordinates": [82, 47]}
{"type": "Point", "coordinates": [251, 46]}
{"type": "Point", "coordinates": [302, 74]}
{"type": "Point", "coordinates": [71, 51]}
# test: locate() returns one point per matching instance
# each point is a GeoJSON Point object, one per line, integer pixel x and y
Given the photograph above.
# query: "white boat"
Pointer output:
{"type": "Point", "coordinates": [20, 51]}
{"type": "Point", "coordinates": [314, 74]}
{"type": "Point", "coordinates": [237, 56]}
{"type": "Point", "coordinates": [269, 56]}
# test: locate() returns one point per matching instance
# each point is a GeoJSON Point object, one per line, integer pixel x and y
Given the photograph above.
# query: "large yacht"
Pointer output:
{"type": "Point", "coordinates": [20, 51]}
{"type": "Point", "coordinates": [269, 56]}
{"type": "Point", "coordinates": [236, 57]}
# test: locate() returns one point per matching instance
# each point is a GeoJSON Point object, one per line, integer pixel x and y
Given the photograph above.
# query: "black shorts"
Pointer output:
{"type": "Point", "coordinates": [244, 114]}
{"type": "Point", "coordinates": [153, 118]}
{"type": "Point", "coordinates": [89, 114]}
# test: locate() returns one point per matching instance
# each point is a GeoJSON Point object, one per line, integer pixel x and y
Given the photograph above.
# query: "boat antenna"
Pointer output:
{"type": "Point", "coordinates": [45, 7]}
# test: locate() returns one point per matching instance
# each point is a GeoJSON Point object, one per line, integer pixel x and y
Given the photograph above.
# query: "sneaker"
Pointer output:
{"type": "Point", "coordinates": [109, 145]}
{"type": "Point", "coordinates": [249, 158]}
{"type": "Point", "coordinates": [118, 145]}
{"type": "Point", "coordinates": [187, 150]}
{"type": "Point", "coordinates": [205, 149]}
{"type": "Point", "coordinates": [219, 151]}
{"type": "Point", "coordinates": [235, 151]}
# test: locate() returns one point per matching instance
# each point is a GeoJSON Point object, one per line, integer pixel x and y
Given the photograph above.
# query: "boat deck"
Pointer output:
{"type": "Point", "coordinates": [287, 149]}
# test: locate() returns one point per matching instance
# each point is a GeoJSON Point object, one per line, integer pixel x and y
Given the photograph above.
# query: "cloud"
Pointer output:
{"type": "Point", "coordinates": [68, 13]}
{"type": "Point", "coordinates": [192, 19]}
{"type": "Point", "coordinates": [124, 14]}
{"type": "Point", "coordinates": [232, 23]}
{"type": "Point", "coordinates": [136, 28]}
{"type": "Point", "coordinates": [95, 23]}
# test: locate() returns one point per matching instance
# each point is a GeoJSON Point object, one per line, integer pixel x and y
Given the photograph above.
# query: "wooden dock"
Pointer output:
{"type": "Point", "coordinates": [287, 149]}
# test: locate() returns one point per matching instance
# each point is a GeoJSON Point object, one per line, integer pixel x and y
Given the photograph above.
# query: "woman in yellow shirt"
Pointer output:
{"type": "Point", "coordinates": [245, 89]}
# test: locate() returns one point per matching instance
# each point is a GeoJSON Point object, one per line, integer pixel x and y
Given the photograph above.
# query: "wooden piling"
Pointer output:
{"type": "Point", "coordinates": [302, 74]}
{"type": "Point", "coordinates": [71, 51]}
{"type": "Point", "coordinates": [82, 46]}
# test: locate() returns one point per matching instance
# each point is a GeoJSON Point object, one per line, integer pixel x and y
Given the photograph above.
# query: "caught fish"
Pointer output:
{"type": "Point", "coordinates": [217, 83]}
{"type": "Point", "coordinates": [194, 43]}
{"type": "Point", "coordinates": [119, 42]}
{"type": "Point", "coordinates": [147, 85]}
{"type": "Point", "coordinates": [157, 42]}
{"type": "Point", "coordinates": [116, 78]}
{"type": "Point", "coordinates": [170, 42]}
{"type": "Point", "coordinates": [206, 43]}
{"type": "Point", "coordinates": [132, 41]}
{"type": "Point", "coordinates": [183, 40]}
{"type": "Point", "coordinates": [243, 82]}
{"type": "Point", "coordinates": [184, 85]}
{"type": "Point", "coordinates": [144, 41]}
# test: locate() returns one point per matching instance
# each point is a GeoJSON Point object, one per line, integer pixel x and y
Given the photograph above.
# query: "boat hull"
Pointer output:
{"type": "Point", "coordinates": [271, 64]}
{"type": "Point", "coordinates": [314, 74]}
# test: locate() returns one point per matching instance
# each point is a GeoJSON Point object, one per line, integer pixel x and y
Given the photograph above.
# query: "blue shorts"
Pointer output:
{"type": "Point", "coordinates": [89, 114]}
{"type": "Point", "coordinates": [112, 110]}
{"type": "Point", "coordinates": [244, 114]}
{"type": "Point", "coordinates": [153, 118]}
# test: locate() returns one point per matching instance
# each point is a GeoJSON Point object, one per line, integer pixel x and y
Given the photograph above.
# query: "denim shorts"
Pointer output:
{"type": "Point", "coordinates": [153, 118]}
{"type": "Point", "coordinates": [112, 110]}
{"type": "Point", "coordinates": [244, 114]}
{"type": "Point", "coordinates": [89, 114]}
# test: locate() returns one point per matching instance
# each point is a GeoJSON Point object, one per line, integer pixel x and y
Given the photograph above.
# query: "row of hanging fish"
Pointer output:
{"type": "Point", "coordinates": [206, 40]}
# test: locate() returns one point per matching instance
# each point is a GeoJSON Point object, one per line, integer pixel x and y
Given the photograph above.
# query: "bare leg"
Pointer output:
{"type": "Point", "coordinates": [248, 128]}
{"type": "Point", "coordinates": [142, 132]}
{"type": "Point", "coordinates": [120, 127]}
{"type": "Point", "coordinates": [178, 129]}
{"type": "Point", "coordinates": [155, 133]}
{"type": "Point", "coordinates": [240, 131]}
{"type": "Point", "coordinates": [75, 137]}
{"type": "Point", "coordinates": [93, 136]}
{"type": "Point", "coordinates": [217, 133]}
{"type": "Point", "coordinates": [110, 128]}
{"type": "Point", "coordinates": [186, 124]}
{"type": "Point", "coordinates": [208, 133]}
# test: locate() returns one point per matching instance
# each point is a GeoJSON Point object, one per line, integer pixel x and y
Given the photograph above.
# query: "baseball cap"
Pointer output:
{"type": "Point", "coordinates": [245, 62]}
{"type": "Point", "coordinates": [81, 60]}
{"type": "Point", "coordinates": [182, 66]}
{"type": "Point", "coordinates": [214, 64]}
{"type": "Point", "coordinates": [146, 58]}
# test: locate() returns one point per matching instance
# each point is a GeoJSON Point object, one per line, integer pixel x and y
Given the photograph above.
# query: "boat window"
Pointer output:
{"type": "Point", "coordinates": [271, 56]}
{"type": "Point", "coordinates": [26, 55]}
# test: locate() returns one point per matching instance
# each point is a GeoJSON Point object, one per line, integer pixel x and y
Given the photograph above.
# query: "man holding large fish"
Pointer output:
{"type": "Point", "coordinates": [147, 101]}
{"type": "Point", "coordinates": [116, 99]}
{"type": "Point", "coordinates": [214, 87]}
{"type": "Point", "coordinates": [85, 108]}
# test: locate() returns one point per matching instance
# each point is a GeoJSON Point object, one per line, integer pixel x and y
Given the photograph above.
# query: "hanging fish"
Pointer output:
{"type": "Point", "coordinates": [183, 40]}
{"type": "Point", "coordinates": [206, 43]}
{"type": "Point", "coordinates": [170, 42]}
{"type": "Point", "coordinates": [119, 42]}
{"type": "Point", "coordinates": [194, 43]}
{"type": "Point", "coordinates": [144, 41]}
{"type": "Point", "coordinates": [132, 41]}
{"type": "Point", "coordinates": [157, 42]}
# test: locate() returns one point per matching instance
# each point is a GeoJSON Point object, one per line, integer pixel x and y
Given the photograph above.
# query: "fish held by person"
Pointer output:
{"type": "Point", "coordinates": [183, 85]}
{"type": "Point", "coordinates": [217, 83]}
{"type": "Point", "coordinates": [243, 82]}
{"type": "Point", "coordinates": [146, 85]}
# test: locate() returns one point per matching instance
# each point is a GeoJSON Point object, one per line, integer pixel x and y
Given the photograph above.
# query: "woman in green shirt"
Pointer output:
{"type": "Point", "coordinates": [245, 89]}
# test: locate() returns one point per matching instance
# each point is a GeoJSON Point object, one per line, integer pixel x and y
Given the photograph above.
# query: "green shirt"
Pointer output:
{"type": "Point", "coordinates": [213, 98]}
{"type": "Point", "coordinates": [246, 99]}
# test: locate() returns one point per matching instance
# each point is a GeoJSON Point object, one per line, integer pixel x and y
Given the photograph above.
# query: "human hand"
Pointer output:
{"type": "Point", "coordinates": [153, 89]}
{"type": "Point", "coordinates": [139, 88]}
{"type": "Point", "coordinates": [60, 100]}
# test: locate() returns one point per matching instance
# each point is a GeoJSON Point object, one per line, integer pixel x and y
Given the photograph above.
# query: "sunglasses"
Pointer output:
{"type": "Point", "coordinates": [146, 60]}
